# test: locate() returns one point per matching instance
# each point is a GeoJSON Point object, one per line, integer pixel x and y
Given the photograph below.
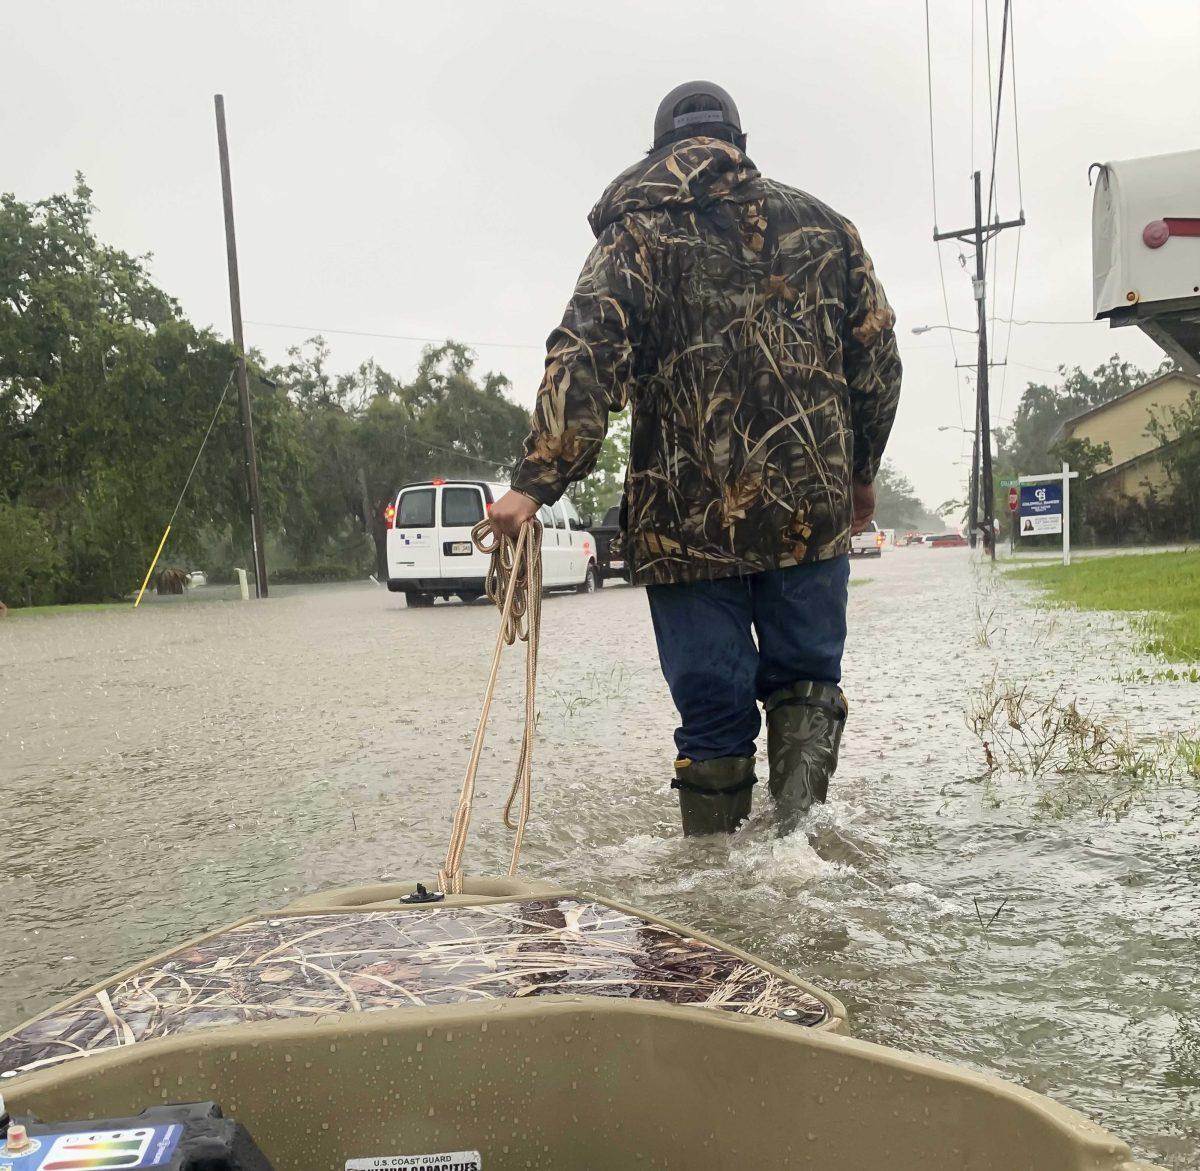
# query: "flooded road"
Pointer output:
{"type": "Point", "coordinates": [168, 770]}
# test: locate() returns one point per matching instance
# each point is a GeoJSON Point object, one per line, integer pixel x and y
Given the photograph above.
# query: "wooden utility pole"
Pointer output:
{"type": "Point", "coordinates": [973, 494]}
{"type": "Point", "coordinates": [982, 491]}
{"type": "Point", "coordinates": [249, 454]}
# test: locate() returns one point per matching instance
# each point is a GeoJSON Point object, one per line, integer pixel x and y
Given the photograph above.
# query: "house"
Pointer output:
{"type": "Point", "coordinates": [1121, 423]}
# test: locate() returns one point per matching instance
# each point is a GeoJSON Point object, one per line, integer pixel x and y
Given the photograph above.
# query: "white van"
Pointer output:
{"type": "Point", "coordinates": [430, 553]}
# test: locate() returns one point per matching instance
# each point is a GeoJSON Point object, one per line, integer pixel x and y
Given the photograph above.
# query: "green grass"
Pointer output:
{"type": "Point", "coordinates": [1164, 586]}
{"type": "Point", "coordinates": [68, 608]}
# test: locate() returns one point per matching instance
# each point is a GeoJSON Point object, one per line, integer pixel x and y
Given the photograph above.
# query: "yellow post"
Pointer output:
{"type": "Point", "coordinates": [146, 579]}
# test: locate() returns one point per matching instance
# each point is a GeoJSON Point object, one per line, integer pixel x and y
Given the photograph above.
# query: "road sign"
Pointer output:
{"type": "Point", "coordinates": [1013, 498]}
{"type": "Point", "coordinates": [1041, 509]}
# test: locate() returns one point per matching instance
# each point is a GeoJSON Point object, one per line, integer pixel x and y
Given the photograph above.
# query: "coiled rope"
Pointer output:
{"type": "Point", "coordinates": [514, 586]}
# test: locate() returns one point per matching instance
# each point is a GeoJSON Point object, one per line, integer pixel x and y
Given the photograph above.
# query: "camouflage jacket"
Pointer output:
{"type": "Point", "coordinates": [744, 323]}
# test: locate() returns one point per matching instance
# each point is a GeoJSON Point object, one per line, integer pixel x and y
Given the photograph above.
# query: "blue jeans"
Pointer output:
{"type": "Point", "coordinates": [718, 675]}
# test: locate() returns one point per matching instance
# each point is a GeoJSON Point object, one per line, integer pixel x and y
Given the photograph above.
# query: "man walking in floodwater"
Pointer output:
{"type": "Point", "coordinates": [744, 324]}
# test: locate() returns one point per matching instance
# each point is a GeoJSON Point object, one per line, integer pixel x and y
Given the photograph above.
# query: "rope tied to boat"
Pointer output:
{"type": "Point", "coordinates": [514, 585]}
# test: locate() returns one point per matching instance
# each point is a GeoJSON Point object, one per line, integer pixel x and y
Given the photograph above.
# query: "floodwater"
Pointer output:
{"type": "Point", "coordinates": [167, 770]}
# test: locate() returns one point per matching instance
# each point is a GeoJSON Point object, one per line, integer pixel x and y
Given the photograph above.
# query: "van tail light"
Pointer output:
{"type": "Point", "coordinates": [389, 514]}
{"type": "Point", "coordinates": [489, 506]}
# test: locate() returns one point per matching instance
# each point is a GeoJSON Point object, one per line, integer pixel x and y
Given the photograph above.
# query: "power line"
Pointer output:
{"type": "Point", "coordinates": [1012, 53]}
{"type": "Point", "coordinates": [958, 392]}
{"type": "Point", "coordinates": [929, 88]}
{"type": "Point", "coordinates": [995, 129]}
{"type": "Point", "coordinates": [491, 463]}
{"type": "Point", "coordinates": [987, 28]}
{"type": "Point", "coordinates": [999, 103]}
{"type": "Point", "coordinates": [186, 484]}
{"type": "Point", "coordinates": [400, 337]}
{"type": "Point", "coordinates": [1011, 305]}
{"type": "Point", "coordinates": [1012, 56]}
{"type": "Point", "coordinates": [946, 302]}
{"type": "Point", "coordinates": [933, 190]}
{"type": "Point", "coordinates": [1012, 321]}
{"type": "Point", "coordinates": [995, 265]}
{"type": "Point", "coordinates": [1027, 366]}
{"type": "Point", "coordinates": [418, 443]}
{"type": "Point", "coordinates": [200, 452]}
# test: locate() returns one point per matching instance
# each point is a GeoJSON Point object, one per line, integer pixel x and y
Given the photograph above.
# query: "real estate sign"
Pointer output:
{"type": "Point", "coordinates": [1041, 509]}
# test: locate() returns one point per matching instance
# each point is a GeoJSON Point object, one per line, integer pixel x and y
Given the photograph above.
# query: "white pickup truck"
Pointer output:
{"type": "Point", "coordinates": [868, 543]}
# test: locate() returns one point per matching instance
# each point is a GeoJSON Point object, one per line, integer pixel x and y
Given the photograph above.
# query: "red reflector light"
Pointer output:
{"type": "Point", "coordinates": [437, 483]}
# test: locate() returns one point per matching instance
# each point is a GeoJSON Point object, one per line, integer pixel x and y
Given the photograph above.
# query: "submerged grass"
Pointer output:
{"type": "Point", "coordinates": [1162, 588]}
{"type": "Point", "coordinates": [599, 688]}
{"type": "Point", "coordinates": [1078, 760]}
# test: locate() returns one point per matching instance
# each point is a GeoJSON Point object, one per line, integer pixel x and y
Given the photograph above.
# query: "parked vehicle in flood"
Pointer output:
{"type": "Point", "coordinates": [430, 553]}
{"type": "Point", "coordinates": [609, 555]}
{"type": "Point", "coordinates": [946, 541]}
{"type": "Point", "coordinates": [868, 543]}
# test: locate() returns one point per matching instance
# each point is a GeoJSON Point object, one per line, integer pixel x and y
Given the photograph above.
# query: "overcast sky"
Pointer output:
{"type": "Point", "coordinates": [426, 168]}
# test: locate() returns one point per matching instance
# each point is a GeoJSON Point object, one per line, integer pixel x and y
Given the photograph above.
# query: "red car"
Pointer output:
{"type": "Point", "coordinates": [945, 540]}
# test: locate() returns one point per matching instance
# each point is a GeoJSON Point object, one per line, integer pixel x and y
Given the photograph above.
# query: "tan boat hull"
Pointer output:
{"type": "Point", "coordinates": [522, 1062]}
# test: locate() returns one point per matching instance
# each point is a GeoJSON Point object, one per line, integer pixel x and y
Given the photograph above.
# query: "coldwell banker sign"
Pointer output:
{"type": "Point", "coordinates": [1041, 509]}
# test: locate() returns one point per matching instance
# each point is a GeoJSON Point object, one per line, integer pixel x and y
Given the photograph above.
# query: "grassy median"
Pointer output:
{"type": "Point", "coordinates": [1164, 587]}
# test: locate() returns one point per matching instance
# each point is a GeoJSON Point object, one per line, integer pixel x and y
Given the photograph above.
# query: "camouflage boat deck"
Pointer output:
{"type": "Point", "coordinates": [322, 965]}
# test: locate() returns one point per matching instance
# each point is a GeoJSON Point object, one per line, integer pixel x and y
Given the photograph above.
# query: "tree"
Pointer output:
{"type": "Point", "coordinates": [1086, 458]}
{"type": "Point", "coordinates": [1025, 444]}
{"type": "Point", "coordinates": [105, 393]}
{"type": "Point", "coordinates": [596, 494]}
{"type": "Point", "coordinates": [1177, 431]}
{"type": "Point", "coordinates": [1029, 445]}
{"type": "Point", "coordinates": [897, 505]}
{"type": "Point", "coordinates": [29, 559]}
{"type": "Point", "coordinates": [367, 433]}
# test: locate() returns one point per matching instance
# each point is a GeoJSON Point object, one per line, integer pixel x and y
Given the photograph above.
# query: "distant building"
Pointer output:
{"type": "Point", "coordinates": [1121, 423]}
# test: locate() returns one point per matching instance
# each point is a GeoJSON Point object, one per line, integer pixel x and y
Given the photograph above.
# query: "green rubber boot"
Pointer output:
{"type": "Point", "coordinates": [804, 731]}
{"type": "Point", "coordinates": [714, 795]}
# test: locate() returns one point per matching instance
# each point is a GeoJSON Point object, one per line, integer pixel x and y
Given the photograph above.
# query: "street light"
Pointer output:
{"type": "Point", "coordinates": [964, 430]}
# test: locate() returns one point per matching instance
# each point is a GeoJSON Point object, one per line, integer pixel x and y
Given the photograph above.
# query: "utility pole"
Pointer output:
{"type": "Point", "coordinates": [249, 455]}
{"type": "Point", "coordinates": [982, 491]}
{"type": "Point", "coordinates": [973, 505]}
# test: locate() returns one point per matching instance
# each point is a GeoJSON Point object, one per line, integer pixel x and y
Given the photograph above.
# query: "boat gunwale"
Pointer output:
{"type": "Point", "coordinates": [1096, 1143]}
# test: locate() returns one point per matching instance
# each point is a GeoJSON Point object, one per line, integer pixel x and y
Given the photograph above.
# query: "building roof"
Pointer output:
{"type": "Point", "coordinates": [1156, 381]}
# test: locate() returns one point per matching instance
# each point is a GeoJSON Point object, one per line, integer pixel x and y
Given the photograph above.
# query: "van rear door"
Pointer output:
{"type": "Point", "coordinates": [412, 543]}
{"type": "Point", "coordinates": [553, 570]}
{"type": "Point", "coordinates": [462, 510]}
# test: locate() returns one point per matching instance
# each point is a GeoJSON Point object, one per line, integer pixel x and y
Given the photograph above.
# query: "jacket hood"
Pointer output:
{"type": "Point", "coordinates": [697, 172]}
